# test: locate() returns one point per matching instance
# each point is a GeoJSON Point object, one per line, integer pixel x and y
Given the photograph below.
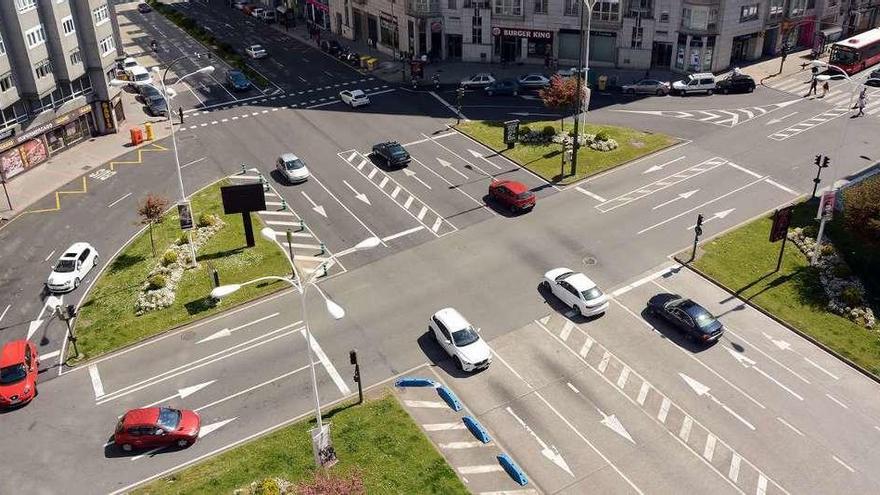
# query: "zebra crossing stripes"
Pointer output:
{"type": "Point", "coordinates": [840, 94]}
{"type": "Point", "coordinates": [808, 124]}
{"type": "Point", "coordinates": [721, 117]}
{"type": "Point", "coordinates": [400, 195]}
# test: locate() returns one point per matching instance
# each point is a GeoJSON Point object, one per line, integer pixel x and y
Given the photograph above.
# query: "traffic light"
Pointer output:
{"type": "Point", "coordinates": [818, 160]}
{"type": "Point", "coordinates": [698, 228]}
{"type": "Point", "coordinates": [825, 161]}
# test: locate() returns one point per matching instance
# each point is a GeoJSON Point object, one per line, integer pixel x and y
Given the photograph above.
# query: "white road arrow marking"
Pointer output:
{"type": "Point", "coordinates": [615, 425]}
{"type": "Point", "coordinates": [448, 165]}
{"type": "Point", "coordinates": [477, 154]}
{"type": "Point", "coordinates": [319, 209]}
{"type": "Point", "coordinates": [182, 393]}
{"type": "Point", "coordinates": [779, 119]}
{"type": "Point", "coordinates": [657, 168]}
{"type": "Point", "coordinates": [702, 390]}
{"type": "Point", "coordinates": [549, 452]}
{"type": "Point", "coordinates": [358, 195]}
{"type": "Point", "coordinates": [410, 173]}
{"type": "Point", "coordinates": [785, 346]}
{"type": "Point", "coordinates": [226, 332]}
{"type": "Point", "coordinates": [716, 216]}
{"type": "Point", "coordinates": [49, 304]}
{"type": "Point", "coordinates": [208, 429]}
{"type": "Point", "coordinates": [683, 195]}
{"type": "Point", "coordinates": [529, 114]}
{"type": "Point", "coordinates": [750, 363]}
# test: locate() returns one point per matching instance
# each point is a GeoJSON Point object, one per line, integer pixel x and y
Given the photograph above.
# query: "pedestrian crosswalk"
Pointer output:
{"type": "Point", "coordinates": [841, 94]}
{"type": "Point", "coordinates": [808, 124]}
{"type": "Point", "coordinates": [725, 118]}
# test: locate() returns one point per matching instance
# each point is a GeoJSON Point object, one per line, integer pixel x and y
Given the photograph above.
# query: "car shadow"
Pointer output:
{"type": "Point", "coordinates": [438, 357]}
{"type": "Point", "coordinates": [382, 165]}
{"type": "Point", "coordinates": [668, 332]}
{"type": "Point", "coordinates": [501, 209]}
{"type": "Point", "coordinates": [113, 451]}
{"type": "Point", "coordinates": [560, 307]}
{"type": "Point", "coordinates": [279, 178]}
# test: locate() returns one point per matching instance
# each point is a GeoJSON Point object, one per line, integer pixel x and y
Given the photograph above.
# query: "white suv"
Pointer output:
{"type": "Point", "coordinates": [354, 97]}
{"type": "Point", "coordinates": [460, 340]}
{"type": "Point", "coordinates": [72, 267]}
{"type": "Point", "coordinates": [695, 83]}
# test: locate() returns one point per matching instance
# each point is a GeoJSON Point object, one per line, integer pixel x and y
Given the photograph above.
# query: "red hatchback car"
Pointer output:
{"type": "Point", "coordinates": [157, 427]}
{"type": "Point", "coordinates": [19, 365]}
{"type": "Point", "coordinates": [512, 194]}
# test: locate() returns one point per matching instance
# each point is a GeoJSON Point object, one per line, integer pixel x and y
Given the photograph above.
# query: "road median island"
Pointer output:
{"type": "Point", "coordinates": [545, 160]}
{"type": "Point", "coordinates": [379, 447]}
{"type": "Point", "coordinates": [743, 262]}
{"type": "Point", "coordinates": [108, 319]}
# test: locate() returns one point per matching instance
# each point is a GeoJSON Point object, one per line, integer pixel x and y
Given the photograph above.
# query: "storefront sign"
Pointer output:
{"type": "Point", "coordinates": [522, 33]}
{"type": "Point", "coordinates": [107, 115]}
{"type": "Point", "coordinates": [67, 117]}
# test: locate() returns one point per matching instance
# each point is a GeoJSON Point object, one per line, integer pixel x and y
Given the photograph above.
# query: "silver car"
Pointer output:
{"type": "Point", "coordinates": [533, 81]}
{"type": "Point", "coordinates": [480, 80]}
{"type": "Point", "coordinates": [647, 86]}
{"type": "Point", "coordinates": [292, 168]}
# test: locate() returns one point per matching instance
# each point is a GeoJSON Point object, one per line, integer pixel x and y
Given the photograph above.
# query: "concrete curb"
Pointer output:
{"type": "Point", "coordinates": [782, 322]}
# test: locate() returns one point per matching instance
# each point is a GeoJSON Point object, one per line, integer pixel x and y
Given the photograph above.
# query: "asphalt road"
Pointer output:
{"type": "Point", "coordinates": [794, 420]}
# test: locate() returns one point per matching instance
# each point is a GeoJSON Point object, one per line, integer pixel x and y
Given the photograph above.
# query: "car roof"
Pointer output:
{"type": "Point", "coordinates": [137, 69]}
{"type": "Point", "coordinates": [514, 186]}
{"type": "Point", "coordinates": [357, 92]}
{"type": "Point", "coordinates": [580, 282]}
{"type": "Point", "coordinates": [452, 319]}
{"type": "Point", "coordinates": [12, 353]}
{"type": "Point", "coordinates": [691, 308]}
{"type": "Point", "coordinates": [257, 46]}
{"type": "Point", "coordinates": [289, 157]}
{"type": "Point", "coordinates": [129, 59]}
{"type": "Point", "coordinates": [149, 415]}
{"type": "Point", "coordinates": [76, 248]}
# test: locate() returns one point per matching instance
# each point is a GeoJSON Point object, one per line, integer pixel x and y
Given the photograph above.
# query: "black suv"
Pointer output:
{"type": "Point", "coordinates": [392, 153]}
{"type": "Point", "coordinates": [736, 83]}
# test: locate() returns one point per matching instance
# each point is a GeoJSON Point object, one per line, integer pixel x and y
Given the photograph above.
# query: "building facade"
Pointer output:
{"type": "Point", "coordinates": [679, 35]}
{"type": "Point", "coordinates": [56, 59]}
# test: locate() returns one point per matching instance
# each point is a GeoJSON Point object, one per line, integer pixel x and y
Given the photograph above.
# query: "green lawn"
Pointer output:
{"type": "Point", "coordinates": [546, 160]}
{"type": "Point", "coordinates": [744, 260]}
{"type": "Point", "coordinates": [377, 438]}
{"type": "Point", "coordinates": [107, 319]}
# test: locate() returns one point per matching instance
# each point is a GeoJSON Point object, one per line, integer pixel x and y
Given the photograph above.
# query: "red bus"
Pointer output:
{"type": "Point", "coordinates": [856, 53]}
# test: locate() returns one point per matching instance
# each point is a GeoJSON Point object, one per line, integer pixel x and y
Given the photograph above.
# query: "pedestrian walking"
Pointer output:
{"type": "Point", "coordinates": [863, 100]}
{"type": "Point", "coordinates": [813, 83]}
{"type": "Point", "coordinates": [180, 114]}
{"type": "Point", "coordinates": [824, 89]}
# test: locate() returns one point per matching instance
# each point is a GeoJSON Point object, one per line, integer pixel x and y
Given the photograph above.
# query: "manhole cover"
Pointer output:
{"type": "Point", "coordinates": [589, 261]}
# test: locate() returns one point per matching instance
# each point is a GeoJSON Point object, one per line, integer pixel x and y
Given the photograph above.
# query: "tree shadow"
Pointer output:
{"type": "Point", "coordinates": [125, 261]}
{"type": "Point", "coordinates": [200, 305]}
{"type": "Point", "coordinates": [221, 254]}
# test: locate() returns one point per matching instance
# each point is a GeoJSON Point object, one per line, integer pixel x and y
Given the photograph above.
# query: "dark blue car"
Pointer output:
{"type": "Point", "coordinates": [237, 80]}
{"type": "Point", "coordinates": [504, 87]}
{"type": "Point", "coordinates": [695, 321]}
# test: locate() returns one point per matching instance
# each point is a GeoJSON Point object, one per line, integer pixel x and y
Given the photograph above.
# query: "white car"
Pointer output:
{"type": "Point", "coordinates": [480, 80]}
{"type": "Point", "coordinates": [570, 72]}
{"type": "Point", "coordinates": [355, 98]}
{"type": "Point", "coordinates": [292, 168]}
{"type": "Point", "coordinates": [256, 51]}
{"type": "Point", "coordinates": [72, 267]}
{"type": "Point", "coordinates": [139, 76]}
{"type": "Point", "coordinates": [695, 83]}
{"type": "Point", "coordinates": [460, 340]}
{"type": "Point", "coordinates": [129, 62]}
{"type": "Point", "coordinates": [576, 291]}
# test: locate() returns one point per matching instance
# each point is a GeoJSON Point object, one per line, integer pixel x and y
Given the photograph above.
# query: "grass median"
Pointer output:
{"type": "Point", "coordinates": [376, 441]}
{"type": "Point", "coordinates": [743, 260]}
{"type": "Point", "coordinates": [107, 319]}
{"type": "Point", "coordinates": [546, 160]}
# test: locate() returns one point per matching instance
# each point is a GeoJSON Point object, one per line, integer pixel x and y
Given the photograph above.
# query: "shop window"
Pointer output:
{"type": "Point", "coordinates": [387, 32]}
{"type": "Point", "coordinates": [776, 9]}
{"type": "Point", "coordinates": [748, 13]}
{"type": "Point", "coordinates": [6, 82]}
{"type": "Point", "coordinates": [540, 6]}
{"type": "Point", "coordinates": [796, 8]}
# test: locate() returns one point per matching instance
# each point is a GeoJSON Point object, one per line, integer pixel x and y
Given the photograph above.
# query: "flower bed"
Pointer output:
{"type": "Point", "coordinates": [599, 141]}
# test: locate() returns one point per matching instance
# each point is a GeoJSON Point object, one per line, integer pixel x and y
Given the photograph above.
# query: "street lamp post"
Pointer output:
{"type": "Point", "coordinates": [582, 103]}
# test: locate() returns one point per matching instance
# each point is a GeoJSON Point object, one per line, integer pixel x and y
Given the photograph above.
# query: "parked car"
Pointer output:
{"type": "Point", "coordinates": [512, 194]}
{"type": "Point", "coordinates": [460, 340]}
{"type": "Point", "coordinates": [876, 78]}
{"type": "Point", "coordinates": [139, 76]}
{"type": "Point", "coordinates": [570, 72]}
{"type": "Point", "coordinates": [507, 87]}
{"type": "Point", "coordinates": [736, 83]}
{"type": "Point", "coordinates": [695, 83]}
{"type": "Point", "coordinates": [128, 63]}
{"type": "Point", "coordinates": [144, 8]}
{"type": "Point", "coordinates": [480, 80]}
{"type": "Point", "coordinates": [292, 168]}
{"type": "Point", "coordinates": [148, 91]}
{"type": "Point", "coordinates": [533, 81]}
{"type": "Point", "coordinates": [647, 86]}
{"type": "Point", "coordinates": [154, 427]}
{"type": "Point", "coordinates": [72, 267]}
{"type": "Point", "coordinates": [255, 51]}
{"type": "Point", "coordinates": [19, 366]}
{"type": "Point", "coordinates": [269, 16]}
{"type": "Point", "coordinates": [685, 315]}
{"type": "Point", "coordinates": [156, 106]}
{"type": "Point", "coordinates": [331, 46]}
{"type": "Point", "coordinates": [237, 80]}
{"type": "Point", "coordinates": [355, 98]}
{"type": "Point", "coordinates": [392, 153]}
{"type": "Point", "coordinates": [576, 291]}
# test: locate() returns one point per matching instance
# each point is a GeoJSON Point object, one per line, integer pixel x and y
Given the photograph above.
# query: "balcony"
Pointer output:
{"type": "Point", "coordinates": [423, 8]}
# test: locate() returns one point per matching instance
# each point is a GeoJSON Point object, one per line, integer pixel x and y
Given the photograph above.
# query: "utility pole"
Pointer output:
{"type": "Point", "coordinates": [458, 100]}
{"type": "Point", "coordinates": [820, 162]}
{"type": "Point", "coordinates": [353, 358]}
{"type": "Point", "coordinates": [578, 96]}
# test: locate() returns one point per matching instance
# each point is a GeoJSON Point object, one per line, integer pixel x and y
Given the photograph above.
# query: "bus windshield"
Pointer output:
{"type": "Point", "coordinates": [843, 56]}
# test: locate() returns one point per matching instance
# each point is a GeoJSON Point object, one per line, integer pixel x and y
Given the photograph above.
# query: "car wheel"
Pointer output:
{"type": "Point", "coordinates": [724, 91]}
{"type": "Point", "coordinates": [751, 88]}
{"type": "Point", "coordinates": [630, 91]}
{"type": "Point", "coordinates": [578, 310]}
{"type": "Point", "coordinates": [660, 92]}
{"type": "Point", "coordinates": [515, 93]}
{"type": "Point", "coordinates": [545, 284]}
{"type": "Point", "coordinates": [489, 93]}
{"type": "Point", "coordinates": [459, 364]}
{"type": "Point", "coordinates": [75, 283]}
{"type": "Point", "coordinates": [709, 92]}
{"type": "Point", "coordinates": [126, 447]}
{"type": "Point", "coordinates": [182, 443]}
{"type": "Point", "coordinates": [513, 208]}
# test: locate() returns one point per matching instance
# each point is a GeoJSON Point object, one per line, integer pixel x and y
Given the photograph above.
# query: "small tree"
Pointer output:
{"type": "Point", "coordinates": [560, 95]}
{"type": "Point", "coordinates": [862, 210]}
{"type": "Point", "coordinates": [150, 211]}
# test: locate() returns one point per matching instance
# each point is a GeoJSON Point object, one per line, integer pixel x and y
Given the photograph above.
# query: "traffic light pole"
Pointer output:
{"type": "Point", "coordinates": [821, 162]}
{"type": "Point", "coordinates": [698, 231]}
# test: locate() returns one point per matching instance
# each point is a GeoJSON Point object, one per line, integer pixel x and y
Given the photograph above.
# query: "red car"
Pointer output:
{"type": "Point", "coordinates": [512, 194]}
{"type": "Point", "coordinates": [157, 427]}
{"type": "Point", "coordinates": [19, 365]}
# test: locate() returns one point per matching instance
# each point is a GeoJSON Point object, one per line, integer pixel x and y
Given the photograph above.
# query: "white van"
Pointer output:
{"type": "Point", "coordinates": [139, 76]}
{"type": "Point", "coordinates": [703, 82]}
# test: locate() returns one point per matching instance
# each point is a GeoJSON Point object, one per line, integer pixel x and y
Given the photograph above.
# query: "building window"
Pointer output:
{"type": "Point", "coordinates": [508, 7]}
{"type": "Point", "coordinates": [476, 29]}
{"type": "Point", "coordinates": [101, 14]}
{"type": "Point", "coordinates": [25, 5]}
{"type": "Point", "coordinates": [387, 32]}
{"type": "Point", "coordinates": [67, 26]}
{"type": "Point", "coordinates": [606, 11]}
{"type": "Point", "coordinates": [748, 13]}
{"type": "Point", "coordinates": [2, 46]}
{"type": "Point", "coordinates": [451, 5]}
{"type": "Point", "coordinates": [111, 74]}
{"type": "Point", "coordinates": [571, 7]}
{"type": "Point", "coordinates": [699, 18]}
{"type": "Point", "coordinates": [6, 82]}
{"type": "Point", "coordinates": [540, 6]}
{"type": "Point", "coordinates": [35, 36]}
{"type": "Point", "coordinates": [75, 56]}
{"type": "Point", "coordinates": [636, 37]}
{"type": "Point", "coordinates": [796, 8]}
{"type": "Point", "coordinates": [43, 69]}
{"type": "Point", "coordinates": [106, 45]}
{"type": "Point", "coordinates": [776, 9]}
{"type": "Point", "coordinates": [664, 10]}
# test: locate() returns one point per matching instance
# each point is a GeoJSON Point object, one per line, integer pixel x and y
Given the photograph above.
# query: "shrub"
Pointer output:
{"type": "Point", "coordinates": [602, 136]}
{"type": "Point", "coordinates": [188, 23]}
{"type": "Point", "coordinates": [851, 296]}
{"type": "Point", "coordinates": [810, 231]}
{"type": "Point", "coordinates": [842, 270]}
{"type": "Point", "coordinates": [549, 130]}
{"type": "Point", "coordinates": [268, 487]}
{"type": "Point", "coordinates": [169, 258]}
{"type": "Point", "coordinates": [207, 220]}
{"type": "Point", "coordinates": [326, 483]}
{"type": "Point", "coordinates": [524, 129]}
{"type": "Point", "coordinates": [157, 281]}
{"type": "Point", "coordinates": [826, 250]}
{"type": "Point", "coordinates": [182, 240]}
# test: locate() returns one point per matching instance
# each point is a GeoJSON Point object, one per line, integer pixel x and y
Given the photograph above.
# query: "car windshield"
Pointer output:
{"type": "Point", "coordinates": [257, 48]}
{"type": "Point", "coordinates": [238, 77]}
{"type": "Point", "coordinates": [12, 374]}
{"type": "Point", "coordinates": [591, 293]}
{"type": "Point", "coordinates": [141, 77]}
{"type": "Point", "coordinates": [466, 336]}
{"type": "Point", "coordinates": [65, 266]}
{"type": "Point", "coordinates": [397, 150]}
{"type": "Point", "coordinates": [524, 195]}
{"type": "Point", "coordinates": [169, 418]}
{"type": "Point", "coordinates": [294, 164]}
{"type": "Point", "coordinates": [702, 317]}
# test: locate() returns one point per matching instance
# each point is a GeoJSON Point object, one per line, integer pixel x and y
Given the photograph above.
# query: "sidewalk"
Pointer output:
{"type": "Point", "coordinates": [770, 68]}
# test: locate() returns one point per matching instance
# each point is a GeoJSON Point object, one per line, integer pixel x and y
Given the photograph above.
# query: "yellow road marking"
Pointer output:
{"type": "Point", "coordinates": [140, 156]}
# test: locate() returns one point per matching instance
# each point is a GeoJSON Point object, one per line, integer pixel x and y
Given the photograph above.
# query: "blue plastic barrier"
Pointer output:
{"type": "Point", "coordinates": [411, 381]}
{"type": "Point", "coordinates": [512, 469]}
{"type": "Point", "coordinates": [477, 429]}
{"type": "Point", "coordinates": [450, 398]}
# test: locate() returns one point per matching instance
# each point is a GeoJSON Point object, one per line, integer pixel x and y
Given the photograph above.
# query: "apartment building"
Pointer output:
{"type": "Point", "coordinates": [56, 58]}
{"type": "Point", "coordinates": [679, 35]}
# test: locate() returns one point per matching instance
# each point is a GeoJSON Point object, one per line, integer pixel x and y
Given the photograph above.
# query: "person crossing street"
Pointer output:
{"type": "Point", "coordinates": [863, 100]}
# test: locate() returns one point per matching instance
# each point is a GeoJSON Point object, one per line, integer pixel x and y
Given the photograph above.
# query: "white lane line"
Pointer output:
{"type": "Point", "coordinates": [525, 491]}
{"type": "Point", "coordinates": [585, 349]}
{"type": "Point", "coordinates": [780, 186]}
{"type": "Point", "coordinates": [841, 404]}
{"type": "Point", "coordinates": [624, 376]}
{"type": "Point", "coordinates": [437, 223]}
{"type": "Point", "coordinates": [762, 485]}
{"type": "Point", "coordinates": [450, 107]}
{"type": "Point", "coordinates": [45, 260]}
{"type": "Point", "coordinates": [685, 432]}
{"type": "Point", "coordinates": [462, 445]}
{"type": "Point", "coordinates": [422, 212]}
{"type": "Point", "coordinates": [566, 330]}
{"type": "Point", "coordinates": [709, 449]}
{"type": "Point", "coordinates": [401, 234]}
{"type": "Point", "coordinates": [486, 468]}
{"type": "Point", "coordinates": [743, 169]}
{"type": "Point", "coordinates": [606, 357]}
{"type": "Point", "coordinates": [331, 370]}
{"type": "Point", "coordinates": [591, 194]}
{"type": "Point", "coordinates": [786, 368]}
{"type": "Point", "coordinates": [733, 474]}
{"type": "Point", "coordinates": [147, 453]}
{"type": "Point", "coordinates": [664, 409]}
{"type": "Point", "coordinates": [443, 426]}
{"type": "Point", "coordinates": [346, 208]}
{"type": "Point", "coordinates": [50, 355]}
{"type": "Point", "coordinates": [279, 212]}
{"type": "Point", "coordinates": [395, 192]}
{"type": "Point", "coordinates": [408, 202]}
{"type": "Point", "coordinates": [287, 224]}
{"type": "Point", "coordinates": [195, 161]}
{"type": "Point", "coordinates": [832, 375]}
{"type": "Point", "coordinates": [843, 464]}
{"type": "Point", "coordinates": [383, 182]}
{"type": "Point", "coordinates": [96, 381]}
{"type": "Point", "coordinates": [786, 423]}
{"type": "Point", "coordinates": [428, 404]}
{"type": "Point", "coordinates": [573, 388]}
{"type": "Point", "coordinates": [642, 281]}
{"type": "Point", "coordinates": [643, 393]}
{"type": "Point", "coordinates": [111, 205]}
{"type": "Point", "coordinates": [251, 389]}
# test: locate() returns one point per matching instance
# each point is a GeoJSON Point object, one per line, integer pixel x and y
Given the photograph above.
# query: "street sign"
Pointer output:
{"type": "Point", "coordinates": [781, 221]}
{"type": "Point", "coordinates": [322, 446]}
{"type": "Point", "coordinates": [184, 210]}
{"type": "Point", "coordinates": [826, 206]}
{"type": "Point", "coordinates": [511, 131]}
